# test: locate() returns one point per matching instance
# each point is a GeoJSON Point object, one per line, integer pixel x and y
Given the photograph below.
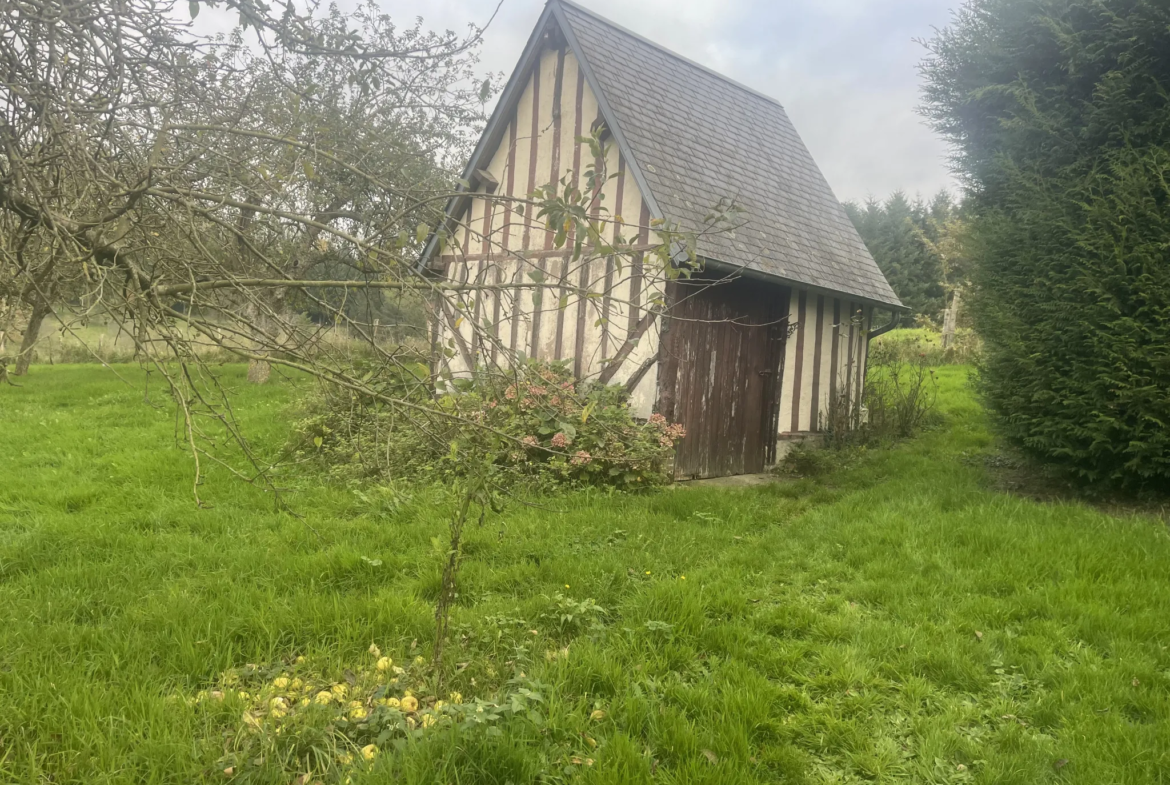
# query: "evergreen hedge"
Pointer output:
{"type": "Point", "coordinates": [1059, 111]}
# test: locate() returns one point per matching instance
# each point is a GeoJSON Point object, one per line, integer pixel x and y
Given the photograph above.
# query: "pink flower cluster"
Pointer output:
{"type": "Point", "coordinates": [670, 432]}
{"type": "Point", "coordinates": [560, 441]}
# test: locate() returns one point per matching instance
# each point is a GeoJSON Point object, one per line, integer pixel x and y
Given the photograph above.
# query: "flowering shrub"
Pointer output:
{"type": "Point", "coordinates": [570, 432]}
{"type": "Point", "coordinates": [536, 422]}
{"type": "Point", "coordinates": [294, 723]}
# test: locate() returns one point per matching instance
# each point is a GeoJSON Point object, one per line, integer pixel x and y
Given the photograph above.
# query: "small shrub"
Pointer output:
{"type": "Point", "coordinates": [899, 396]}
{"type": "Point", "coordinates": [899, 399]}
{"type": "Point", "coordinates": [569, 616]}
{"type": "Point", "coordinates": [841, 423]}
{"type": "Point", "coordinates": [545, 427]}
{"type": "Point", "coordinates": [808, 459]}
{"type": "Point", "coordinates": [355, 437]}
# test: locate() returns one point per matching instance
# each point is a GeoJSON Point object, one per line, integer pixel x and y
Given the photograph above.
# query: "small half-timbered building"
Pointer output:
{"type": "Point", "coordinates": [752, 350]}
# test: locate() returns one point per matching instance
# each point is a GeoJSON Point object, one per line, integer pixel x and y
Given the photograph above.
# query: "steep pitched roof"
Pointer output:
{"type": "Point", "coordinates": [691, 137]}
{"type": "Point", "coordinates": [697, 136]}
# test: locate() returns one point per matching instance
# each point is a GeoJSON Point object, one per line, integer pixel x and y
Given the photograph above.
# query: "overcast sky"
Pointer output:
{"type": "Point", "coordinates": [844, 69]}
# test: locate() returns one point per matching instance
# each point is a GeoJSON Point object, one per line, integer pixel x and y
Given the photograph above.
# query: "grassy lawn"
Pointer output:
{"type": "Point", "coordinates": [896, 620]}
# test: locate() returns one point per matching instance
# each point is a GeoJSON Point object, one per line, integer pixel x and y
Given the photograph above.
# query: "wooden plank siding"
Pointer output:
{"type": "Point", "coordinates": [495, 244]}
{"type": "Point", "coordinates": [721, 354]}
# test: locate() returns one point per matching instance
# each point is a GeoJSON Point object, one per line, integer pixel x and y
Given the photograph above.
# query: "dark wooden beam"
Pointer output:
{"type": "Point", "coordinates": [486, 179]}
{"type": "Point", "coordinates": [640, 330]}
{"type": "Point", "coordinates": [636, 377]}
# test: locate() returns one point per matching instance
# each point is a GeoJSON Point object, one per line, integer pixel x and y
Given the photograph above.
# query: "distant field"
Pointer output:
{"type": "Point", "coordinates": [101, 340]}
{"type": "Point", "coordinates": [925, 344]}
{"type": "Point", "coordinates": [895, 620]}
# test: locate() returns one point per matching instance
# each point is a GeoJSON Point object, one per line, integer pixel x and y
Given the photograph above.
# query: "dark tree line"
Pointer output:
{"type": "Point", "coordinates": [917, 245]}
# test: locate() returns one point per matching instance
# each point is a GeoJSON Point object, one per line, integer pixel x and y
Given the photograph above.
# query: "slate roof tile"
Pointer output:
{"type": "Point", "coordinates": [699, 137]}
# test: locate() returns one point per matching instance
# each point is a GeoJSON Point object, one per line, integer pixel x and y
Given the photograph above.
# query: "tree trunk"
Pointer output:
{"type": "Point", "coordinates": [950, 319]}
{"type": "Point", "coordinates": [31, 332]}
{"type": "Point", "coordinates": [258, 370]}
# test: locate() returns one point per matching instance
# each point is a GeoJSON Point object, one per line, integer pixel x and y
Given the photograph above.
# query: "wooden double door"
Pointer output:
{"type": "Point", "coordinates": [723, 355]}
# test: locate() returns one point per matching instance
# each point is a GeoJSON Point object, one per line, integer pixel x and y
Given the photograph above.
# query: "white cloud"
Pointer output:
{"type": "Point", "coordinates": [844, 69]}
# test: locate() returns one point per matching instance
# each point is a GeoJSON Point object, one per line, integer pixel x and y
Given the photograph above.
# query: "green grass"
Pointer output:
{"type": "Point", "coordinates": [923, 335]}
{"type": "Point", "coordinates": [825, 631]}
{"type": "Point", "coordinates": [924, 344]}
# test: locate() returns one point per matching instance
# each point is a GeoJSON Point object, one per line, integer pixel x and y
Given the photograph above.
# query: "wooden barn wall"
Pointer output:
{"type": "Point", "coordinates": [496, 245]}
{"type": "Point", "coordinates": [825, 358]}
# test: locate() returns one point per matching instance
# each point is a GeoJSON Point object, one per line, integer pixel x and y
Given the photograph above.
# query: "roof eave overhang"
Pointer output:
{"type": "Point", "coordinates": [717, 266]}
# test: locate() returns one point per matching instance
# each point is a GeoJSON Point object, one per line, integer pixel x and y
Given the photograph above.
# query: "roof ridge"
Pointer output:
{"type": "Point", "coordinates": [609, 22]}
